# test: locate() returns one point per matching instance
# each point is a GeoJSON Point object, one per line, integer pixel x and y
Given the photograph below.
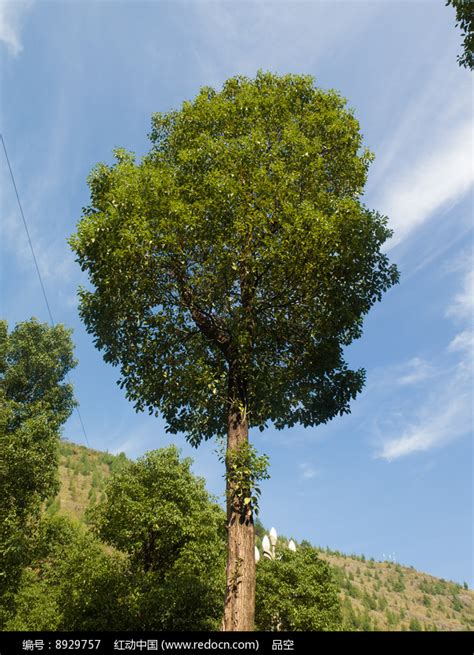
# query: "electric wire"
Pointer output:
{"type": "Point", "coordinates": [43, 289]}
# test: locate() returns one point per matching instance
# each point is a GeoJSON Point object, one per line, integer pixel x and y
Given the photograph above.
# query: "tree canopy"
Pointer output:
{"type": "Point", "coordinates": [161, 515]}
{"type": "Point", "coordinates": [71, 582]}
{"type": "Point", "coordinates": [465, 21]}
{"type": "Point", "coordinates": [240, 237]}
{"type": "Point", "coordinates": [296, 592]}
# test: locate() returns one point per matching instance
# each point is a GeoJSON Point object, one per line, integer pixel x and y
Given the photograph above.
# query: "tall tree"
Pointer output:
{"type": "Point", "coordinates": [34, 403]}
{"type": "Point", "coordinates": [229, 268]}
{"type": "Point", "coordinates": [465, 21]}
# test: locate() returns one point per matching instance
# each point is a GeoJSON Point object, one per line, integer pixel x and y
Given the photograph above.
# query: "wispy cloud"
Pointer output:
{"type": "Point", "coordinates": [11, 16]}
{"type": "Point", "coordinates": [307, 471]}
{"type": "Point", "coordinates": [424, 157]}
{"type": "Point", "coordinates": [443, 418]}
{"type": "Point", "coordinates": [463, 342]}
{"type": "Point", "coordinates": [463, 303]}
{"type": "Point", "coordinates": [462, 310]}
{"type": "Point", "coordinates": [39, 188]}
{"type": "Point", "coordinates": [54, 259]}
{"type": "Point", "coordinates": [415, 371]}
{"type": "Point", "coordinates": [264, 35]}
{"type": "Point", "coordinates": [446, 412]}
{"type": "Point", "coordinates": [442, 175]}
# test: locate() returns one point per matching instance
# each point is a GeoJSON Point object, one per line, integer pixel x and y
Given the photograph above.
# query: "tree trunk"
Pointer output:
{"type": "Point", "coordinates": [239, 608]}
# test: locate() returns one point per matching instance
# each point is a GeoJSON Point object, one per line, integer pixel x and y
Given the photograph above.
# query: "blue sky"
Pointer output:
{"type": "Point", "coordinates": [81, 77]}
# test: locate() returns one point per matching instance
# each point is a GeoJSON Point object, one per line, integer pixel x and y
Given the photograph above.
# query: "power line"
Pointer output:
{"type": "Point", "coordinates": [27, 232]}
{"type": "Point", "coordinates": [37, 269]}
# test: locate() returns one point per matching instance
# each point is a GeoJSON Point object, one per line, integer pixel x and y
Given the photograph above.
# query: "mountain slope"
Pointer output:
{"type": "Point", "coordinates": [388, 596]}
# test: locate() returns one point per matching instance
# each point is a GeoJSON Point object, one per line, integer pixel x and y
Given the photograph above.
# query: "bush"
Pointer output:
{"type": "Point", "coordinates": [368, 601]}
{"type": "Point", "coordinates": [97, 479]}
{"type": "Point", "coordinates": [457, 604]}
{"type": "Point", "coordinates": [365, 622]}
{"type": "Point", "coordinates": [296, 592]}
{"type": "Point", "coordinates": [398, 585]}
{"type": "Point", "coordinates": [382, 603]}
{"type": "Point", "coordinates": [392, 617]}
{"type": "Point", "coordinates": [415, 625]}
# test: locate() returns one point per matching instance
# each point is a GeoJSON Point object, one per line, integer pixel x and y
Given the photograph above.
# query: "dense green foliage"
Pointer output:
{"type": "Point", "coordinates": [465, 21]}
{"type": "Point", "coordinates": [34, 403]}
{"type": "Point", "coordinates": [165, 572]}
{"type": "Point", "coordinates": [237, 252]}
{"type": "Point", "coordinates": [296, 591]}
{"type": "Point", "coordinates": [71, 583]}
{"type": "Point", "coordinates": [161, 515]}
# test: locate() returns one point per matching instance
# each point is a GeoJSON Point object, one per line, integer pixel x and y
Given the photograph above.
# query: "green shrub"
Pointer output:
{"type": "Point", "coordinates": [415, 625]}
{"type": "Point", "coordinates": [160, 514]}
{"type": "Point", "coordinates": [296, 592]}
{"type": "Point", "coordinates": [392, 617]}
{"type": "Point", "coordinates": [457, 604]}
{"type": "Point", "coordinates": [71, 583]}
{"type": "Point", "coordinates": [382, 603]}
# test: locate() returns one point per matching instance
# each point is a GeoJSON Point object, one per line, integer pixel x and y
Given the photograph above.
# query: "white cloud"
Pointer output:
{"type": "Point", "coordinates": [11, 15]}
{"type": "Point", "coordinates": [54, 259]}
{"type": "Point", "coordinates": [463, 342]}
{"type": "Point", "coordinates": [463, 304]}
{"type": "Point", "coordinates": [442, 175]}
{"type": "Point", "coordinates": [263, 35]}
{"type": "Point", "coordinates": [462, 308]}
{"type": "Point", "coordinates": [307, 471]}
{"type": "Point", "coordinates": [446, 413]}
{"type": "Point", "coordinates": [38, 193]}
{"type": "Point", "coordinates": [415, 371]}
{"type": "Point", "coordinates": [444, 417]}
{"type": "Point", "coordinates": [424, 157]}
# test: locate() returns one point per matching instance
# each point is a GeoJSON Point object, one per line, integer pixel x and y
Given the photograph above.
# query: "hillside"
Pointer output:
{"type": "Point", "coordinates": [82, 473]}
{"type": "Point", "coordinates": [388, 596]}
{"type": "Point", "coordinates": [374, 595]}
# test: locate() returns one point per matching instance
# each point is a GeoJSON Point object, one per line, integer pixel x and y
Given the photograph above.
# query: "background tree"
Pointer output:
{"type": "Point", "coordinates": [161, 568]}
{"type": "Point", "coordinates": [465, 21]}
{"type": "Point", "coordinates": [229, 268]}
{"type": "Point", "coordinates": [34, 404]}
{"type": "Point", "coordinates": [296, 592]}
{"type": "Point", "coordinates": [161, 515]}
{"type": "Point", "coordinates": [72, 582]}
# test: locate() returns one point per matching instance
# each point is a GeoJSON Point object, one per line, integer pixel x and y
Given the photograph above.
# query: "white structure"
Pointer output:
{"type": "Point", "coordinates": [273, 537]}
{"type": "Point", "coordinates": [269, 542]}
{"type": "Point", "coordinates": [267, 552]}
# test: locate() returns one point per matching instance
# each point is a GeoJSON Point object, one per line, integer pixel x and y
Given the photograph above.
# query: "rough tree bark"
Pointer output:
{"type": "Point", "coordinates": [239, 607]}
